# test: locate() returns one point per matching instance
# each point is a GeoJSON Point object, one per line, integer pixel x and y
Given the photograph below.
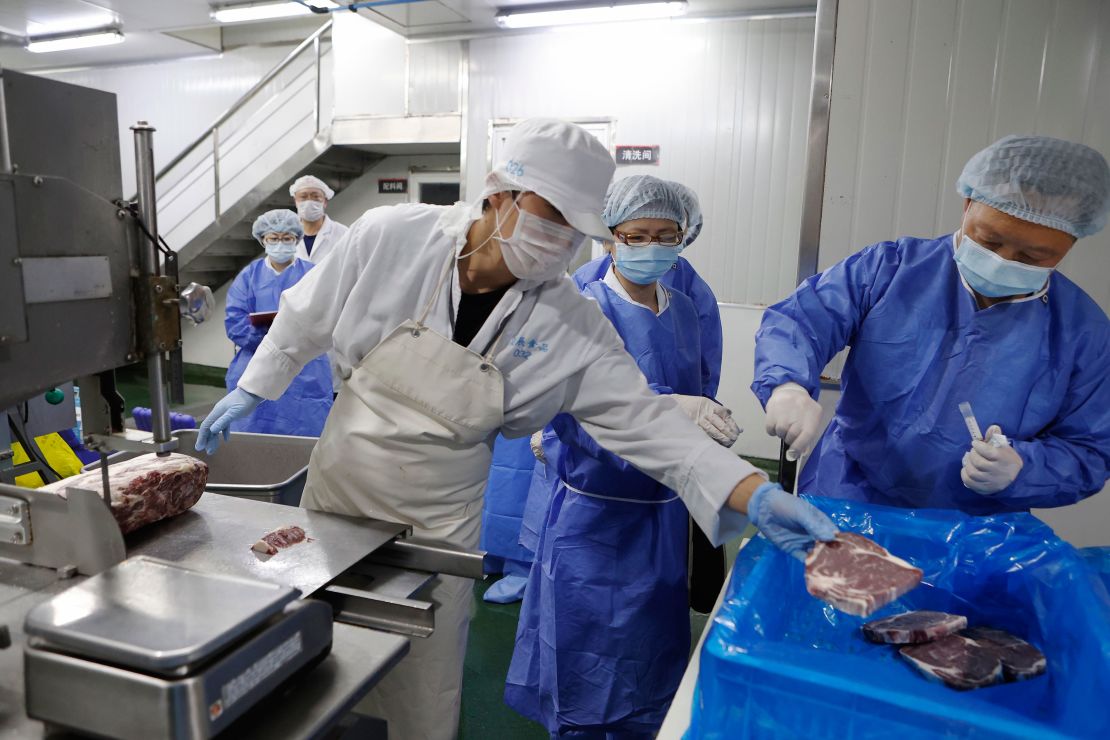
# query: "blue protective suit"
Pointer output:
{"type": "Point", "coordinates": [304, 406]}
{"type": "Point", "coordinates": [509, 476]}
{"type": "Point", "coordinates": [681, 277]}
{"type": "Point", "coordinates": [1039, 368]}
{"type": "Point", "coordinates": [511, 470]}
{"type": "Point", "coordinates": [604, 632]}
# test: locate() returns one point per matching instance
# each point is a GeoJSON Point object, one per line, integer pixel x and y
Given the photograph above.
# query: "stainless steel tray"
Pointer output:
{"type": "Point", "coordinates": [154, 616]}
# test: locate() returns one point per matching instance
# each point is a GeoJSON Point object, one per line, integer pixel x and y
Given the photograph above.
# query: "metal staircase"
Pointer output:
{"type": "Point", "coordinates": [243, 164]}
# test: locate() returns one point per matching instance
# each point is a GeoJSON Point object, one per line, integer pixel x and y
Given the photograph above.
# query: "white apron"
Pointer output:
{"type": "Point", "coordinates": [409, 439]}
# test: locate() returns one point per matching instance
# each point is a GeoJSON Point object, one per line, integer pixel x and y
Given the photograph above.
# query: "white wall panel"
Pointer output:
{"type": "Point", "coordinates": [921, 85]}
{"type": "Point", "coordinates": [433, 77]}
{"type": "Point", "coordinates": [180, 98]}
{"type": "Point", "coordinates": [739, 324]}
{"type": "Point", "coordinates": [369, 67]}
{"type": "Point", "coordinates": [727, 102]}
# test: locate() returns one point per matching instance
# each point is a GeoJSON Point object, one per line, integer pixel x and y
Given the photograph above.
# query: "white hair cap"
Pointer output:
{"type": "Point", "coordinates": [304, 182]}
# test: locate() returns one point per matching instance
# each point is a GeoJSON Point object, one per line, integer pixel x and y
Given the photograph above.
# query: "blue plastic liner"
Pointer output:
{"type": "Point", "coordinates": [1099, 559]}
{"type": "Point", "coordinates": [779, 663]}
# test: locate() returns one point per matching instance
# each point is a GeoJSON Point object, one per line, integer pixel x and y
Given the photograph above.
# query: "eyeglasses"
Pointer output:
{"type": "Point", "coordinates": [273, 240]}
{"type": "Point", "coordinates": [666, 239]}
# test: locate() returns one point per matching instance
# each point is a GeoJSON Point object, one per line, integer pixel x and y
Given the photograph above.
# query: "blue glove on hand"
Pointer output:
{"type": "Point", "coordinates": [234, 405]}
{"type": "Point", "coordinates": [790, 522]}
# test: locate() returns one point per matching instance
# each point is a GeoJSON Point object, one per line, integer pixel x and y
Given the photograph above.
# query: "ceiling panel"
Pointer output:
{"type": "Point", "coordinates": [144, 21]}
{"type": "Point", "coordinates": [415, 15]}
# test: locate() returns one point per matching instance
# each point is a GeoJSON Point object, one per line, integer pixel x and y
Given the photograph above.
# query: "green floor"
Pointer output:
{"type": "Point", "coordinates": [203, 388]}
{"type": "Point", "coordinates": [492, 632]}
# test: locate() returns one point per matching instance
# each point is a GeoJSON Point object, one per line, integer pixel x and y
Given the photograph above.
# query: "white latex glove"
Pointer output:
{"type": "Point", "coordinates": [793, 417]}
{"type": "Point", "coordinates": [992, 465]}
{"type": "Point", "coordinates": [536, 443]}
{"type": "Point", "coordinates": [713, 418]}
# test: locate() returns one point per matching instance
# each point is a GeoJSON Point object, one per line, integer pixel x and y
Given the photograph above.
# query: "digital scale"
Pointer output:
{"type": "Point", "coordinates": [150, 649]}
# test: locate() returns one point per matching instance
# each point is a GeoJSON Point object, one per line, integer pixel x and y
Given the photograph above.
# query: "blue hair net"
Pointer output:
{"type": "Point", "coordinates": [277, 221]}
{"type": "Point", "coordinates": [1051, 182]}
{"type": "Point", "coordinates": [644, 196]}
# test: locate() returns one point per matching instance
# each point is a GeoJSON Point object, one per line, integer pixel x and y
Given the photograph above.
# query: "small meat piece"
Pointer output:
{"type": "Point", "coordinates": [1019, 659]}
{"type": "Point", "coordinates": [856, 575]}
{"type": "Point", "coordinates": [914, 627]}
{"type": "Point", "coordinates": [145, 489]}
{"type": "Point", "coordinates": [280, 538]}
{"type": "Point", "coordinates": [960, 663]}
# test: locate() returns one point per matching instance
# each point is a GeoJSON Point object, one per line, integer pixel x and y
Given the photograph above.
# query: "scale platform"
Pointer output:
{"type": "Point", "coordinates": [152, 649]}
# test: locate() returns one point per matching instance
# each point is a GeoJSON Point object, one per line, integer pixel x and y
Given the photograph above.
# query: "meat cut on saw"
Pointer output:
{"type": "Point", "coordinates": [914, 627]}
{"type": "Point", "coordinates": [856, 575]}
{"type": "Point", "coordinates": [145, 489]}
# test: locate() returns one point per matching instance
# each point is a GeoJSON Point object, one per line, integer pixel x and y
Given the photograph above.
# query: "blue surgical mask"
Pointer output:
{"type": "Point", "coordinates": [645, 265]}
{"type": "Point", "coordinates": [280, 252]}
{"type": "Point", "coordinates": [996, 277]}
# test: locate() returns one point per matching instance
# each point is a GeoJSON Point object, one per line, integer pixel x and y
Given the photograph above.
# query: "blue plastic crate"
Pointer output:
{"type": "Point", "coordinates": [779, 663]}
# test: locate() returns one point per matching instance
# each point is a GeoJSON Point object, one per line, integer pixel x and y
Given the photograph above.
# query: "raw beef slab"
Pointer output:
{"type": "Point", "coordinates": [914, 627]}
{"type": "Point", "coordinates": [957, 661]}
{"type": "Point", "coordinates": [278, 539]}
{"type": "Point", "coordinates": [857, 576]}
{"type": "Point", "coordinates": [145, 489]}
{"type": "Point", "coordinates": [1019, 659]}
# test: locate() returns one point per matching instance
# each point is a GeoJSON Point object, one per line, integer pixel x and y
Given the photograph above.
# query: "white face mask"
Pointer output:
{"type": "Point", "coordinates": [537, 249]}
{"type": "Point", "coordinates": [310, 210]}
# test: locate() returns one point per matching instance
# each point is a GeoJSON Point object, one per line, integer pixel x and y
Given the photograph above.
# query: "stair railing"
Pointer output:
{"type": "Point", "coordinates": [181, 197]}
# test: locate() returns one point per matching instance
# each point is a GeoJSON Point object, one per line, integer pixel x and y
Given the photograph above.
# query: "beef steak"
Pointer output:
{"type": "Point", "coordinates": [856, 575]}
{"type": "Point", "coordinates": [914, 627]}
{"type": "Point", "coordinates": [957, 661]}
{"type": "Point", "coordinates": [1019, 659]}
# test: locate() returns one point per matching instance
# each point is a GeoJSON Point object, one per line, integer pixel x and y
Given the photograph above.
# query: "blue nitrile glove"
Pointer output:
{"type": "Point", "coordinates": [790, 522]}
{"type": "Point", "coordinates": [508, 590]}
{"type": "Point", "coordinates": [234, 405]}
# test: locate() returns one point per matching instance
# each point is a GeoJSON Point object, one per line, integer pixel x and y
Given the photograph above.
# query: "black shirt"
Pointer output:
{"type": "Point", "coordinates": [308, 242]}
{"type": "Point", "coordinates": [474, 309]}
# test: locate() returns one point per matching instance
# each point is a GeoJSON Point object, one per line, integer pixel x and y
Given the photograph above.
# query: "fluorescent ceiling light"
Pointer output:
{"type": "Point", "coordinates": [264, 11]}
{"type": "Point", "coordinates": [548, 15]}
{"type": "Point", "coordinates": [75, 41]}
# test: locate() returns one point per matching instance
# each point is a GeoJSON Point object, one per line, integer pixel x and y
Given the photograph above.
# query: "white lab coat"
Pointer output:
{"type": "Point", "coordinates": [559, 352]}
{"type": "Point", "coordinates": [326, 239]}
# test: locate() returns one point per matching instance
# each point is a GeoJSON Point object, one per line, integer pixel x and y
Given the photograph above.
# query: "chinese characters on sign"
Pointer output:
{"type": "Point", "coordinates": [637, 155]}
{"type": "Point", "coordinates": [393, 185]}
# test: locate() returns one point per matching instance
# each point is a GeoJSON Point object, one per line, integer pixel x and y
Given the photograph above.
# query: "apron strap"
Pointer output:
{"type": "Point", "coordinates": [438, 288]}
{"type": "Point", "coordinates": [487, 353]}
{"type": "Point", "coordinates": [617, 498]}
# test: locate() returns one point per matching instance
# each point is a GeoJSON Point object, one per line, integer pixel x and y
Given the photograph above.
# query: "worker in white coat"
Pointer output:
{"type": "Point", "coordinates": [310, 197]}
{"type": "Point", "coordinates": [460, 322]}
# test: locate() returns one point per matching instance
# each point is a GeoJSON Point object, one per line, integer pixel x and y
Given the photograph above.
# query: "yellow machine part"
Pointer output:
{"type": "Point", "coordinates": [56, 452]}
